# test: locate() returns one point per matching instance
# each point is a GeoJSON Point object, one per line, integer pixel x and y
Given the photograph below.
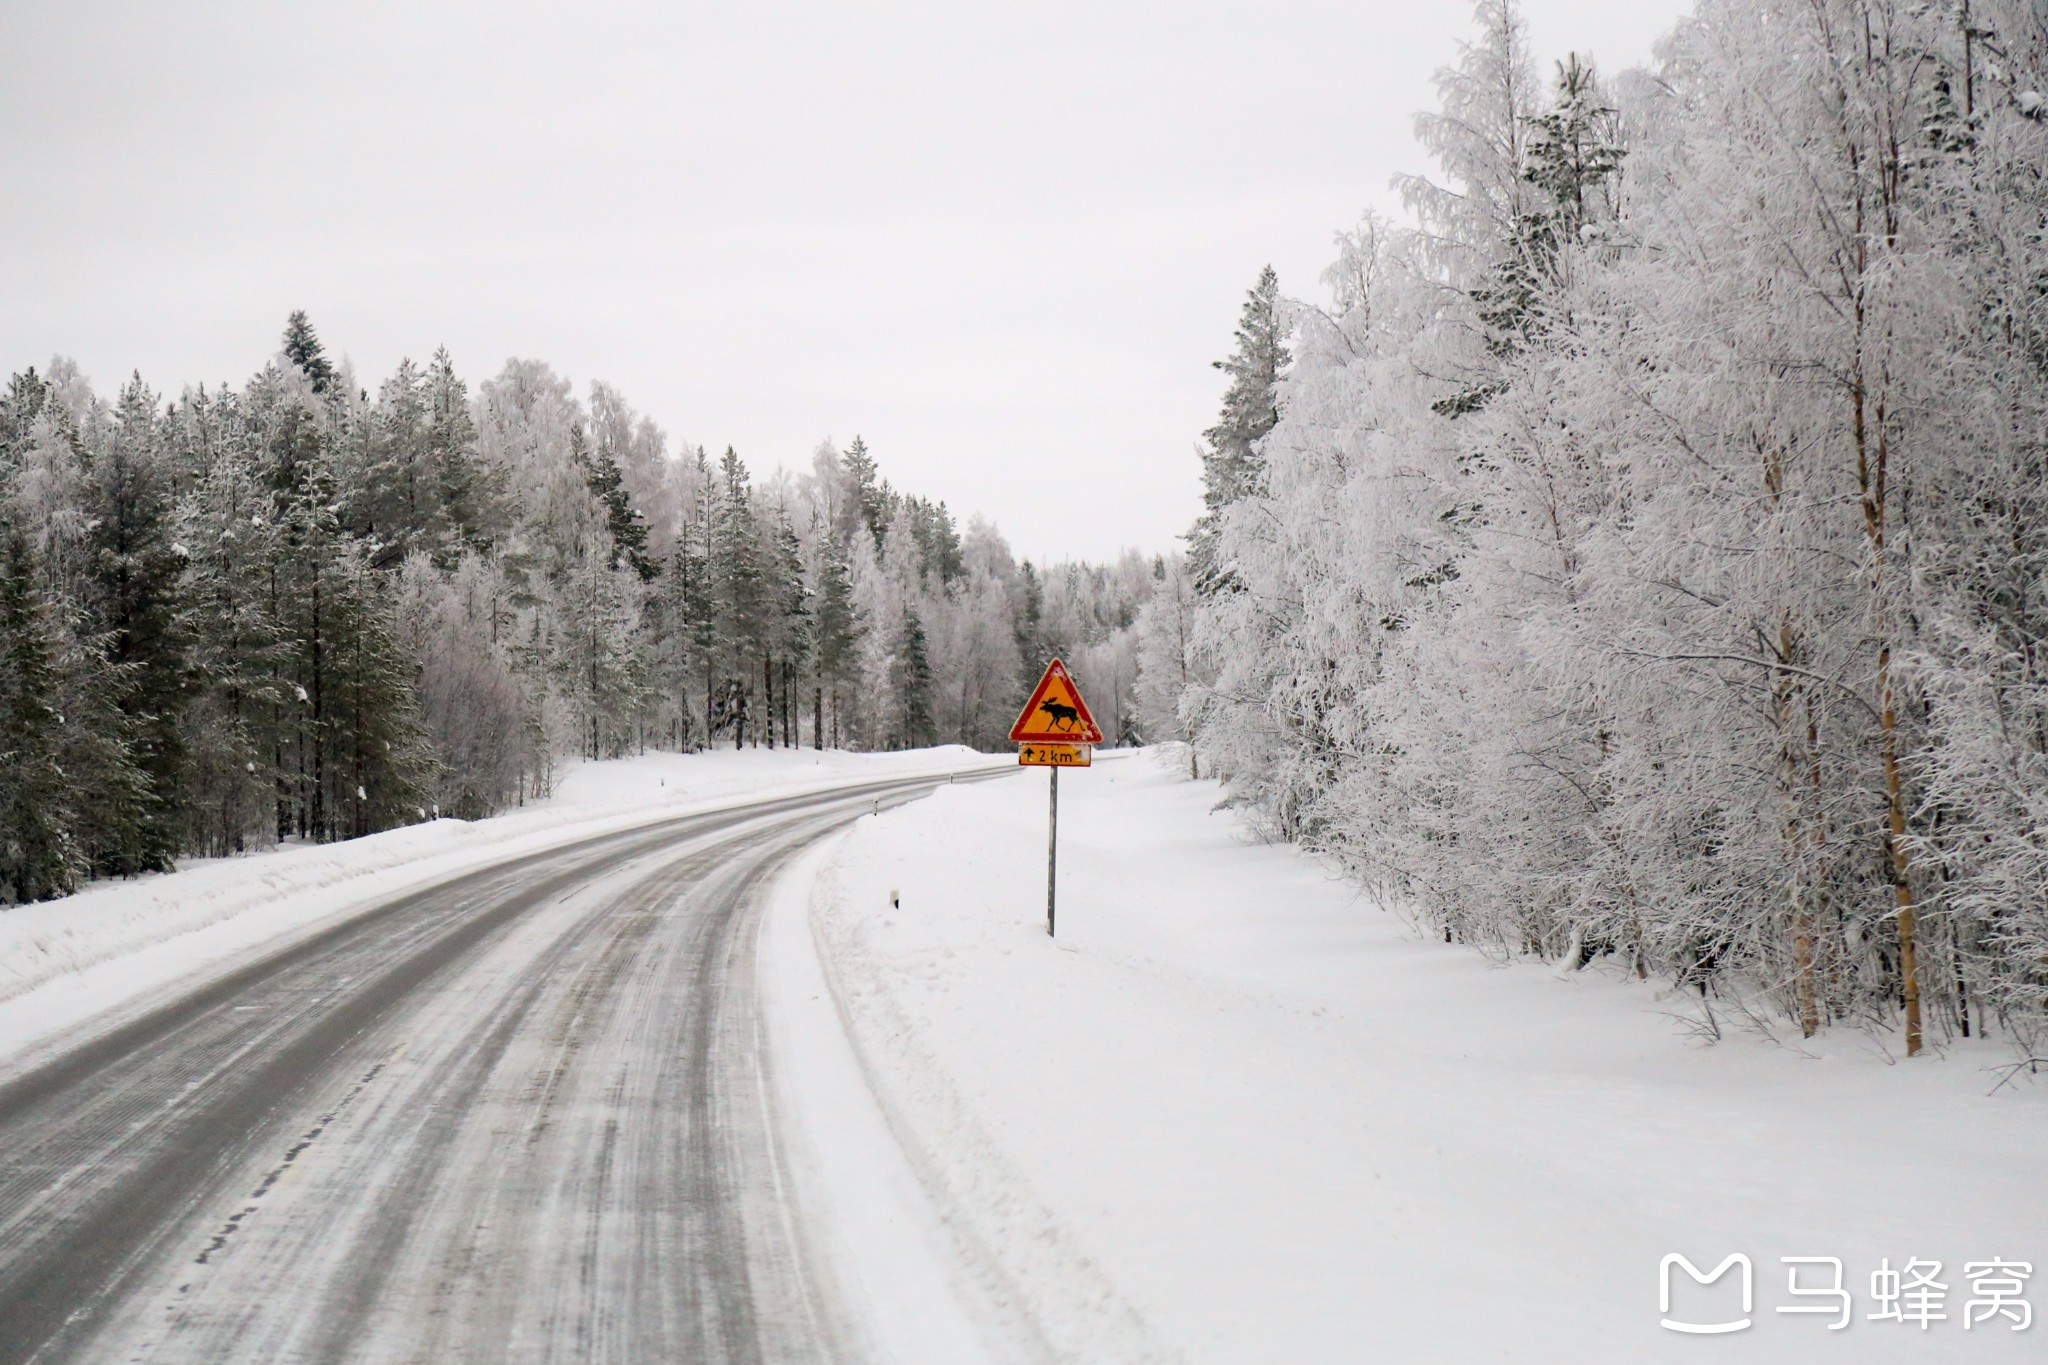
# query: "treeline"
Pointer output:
{"type": "Point", "coordinates": [1644, 554]}
{"type": "Point", "coordinates": [298, 611]}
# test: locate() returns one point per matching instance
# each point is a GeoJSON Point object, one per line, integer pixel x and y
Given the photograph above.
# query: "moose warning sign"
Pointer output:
{"type": "Point", "coordinates": [1056, 714]}
{"type": "Point", "coordinates": [1054, 732]}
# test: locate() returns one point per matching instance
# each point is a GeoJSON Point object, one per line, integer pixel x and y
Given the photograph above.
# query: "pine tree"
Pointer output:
{"type": "Point", "coordinates": [136, 606]}
{"type": "Point", "coordinates": [739, 588]}
{"type": "Point", "coordinates": [1031, 644]}
{"type": "Point", "coordinates": [1232, 468]}
{"type": "Point", "coordinates": [288, 428]}
{"type": "Point", "coordinates": [793, 634]}
{"type": "Point", "coordinates": [910, 687]}
{"type": "Point", "coordinates": [470, 492]}
{"type": "Point", "coordinates": [870, 494]}
{"type": "Point", "coordinates": [390, 496]}
{"type": "Point", "coordinates": [938, 541]}
{"type": "Point", "coordinates": [19, 408]}
{"type": "Point", "coordinates": [379, 768]}
{"type": "Point", "coordinates": [309, 599]}
{"type": "Point", "coordinates": [1571, 154]}
{"type": "Point", "coordinates": [302, 348]}
{"type": "Point", "coordinates": [38, 857]}
{"type": "Point", "coordinates": [238, 655]}
{"type": "Point", "coordinates": [705, 613]}
{"type": "Point", "coordinates": [598, 612]}
{"type": "Point", "coordinates": [688, 626]}
{"type": "Point", "coordinates": [836, 629]}
{"type": "Point", "coordinates": [628, 529]}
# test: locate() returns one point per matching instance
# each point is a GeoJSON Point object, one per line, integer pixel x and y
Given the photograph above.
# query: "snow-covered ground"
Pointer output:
{"type": "Point", "coordinates": [66, 960]}
{"type": "Point", "coordinates": [1234, 1113]}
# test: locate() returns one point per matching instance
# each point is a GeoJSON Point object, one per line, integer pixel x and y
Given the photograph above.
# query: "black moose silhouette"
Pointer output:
{"type": "Point", "coordinates": [1062, 716]}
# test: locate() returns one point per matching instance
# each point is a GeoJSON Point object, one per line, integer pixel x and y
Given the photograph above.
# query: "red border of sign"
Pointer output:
{"type": "Point", "coordinates": [1089, 733]}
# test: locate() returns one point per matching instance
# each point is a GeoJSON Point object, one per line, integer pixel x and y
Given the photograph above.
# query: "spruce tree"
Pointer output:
{"type": "Point", "coordinates": [38, 856]}
{"type": "Point", "coordinates": [795, 625]}
{"type": "Point", "coordinates": [910, 685]}
{"type": "Point", "coordinates": [136, 606]}
{"type": "Point", "coordinates": [379, 767]}
{"type": "Point", "coordinates": [1572, 151]}
{"type": "Point", "coordinates": [704, 613]}
{"type": "Point", "coordinates": [468, 489]}
{"type": "Point", "coordinates": [598, 609]}
{"type": "Point", "coordinates": [870, 494]}
{"type": "Point", "coordinates": [688, 629]}
{"type": "Point", "coordinates": [740, 599]}
{"type": "Point", "coordinates": [238, 655]}
{"type": "Point", "coordinates": [836, 628]}
{"type": "Point", "coordinates": [389, 494]}
{"type": "Point", "coordinates": [938, 541]}
{"type": "Point", "coordinates": [1031, 650]}
{"type": "Point", "coordinates": [1232, 468]}
{"type": "Point", "coordinates": [628, 529]}
{"type": "Point", "coordinates": [19, 408]}
{"type": "Point", "coordinates": [302, 348]}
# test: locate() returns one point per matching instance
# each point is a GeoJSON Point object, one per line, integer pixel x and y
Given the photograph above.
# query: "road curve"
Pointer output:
{"type": "Point", "coordinates": [520, 1115]}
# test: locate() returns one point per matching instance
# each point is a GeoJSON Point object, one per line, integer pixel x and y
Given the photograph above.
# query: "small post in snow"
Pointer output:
{"type": "Point", "coordinates": [1062, 740]}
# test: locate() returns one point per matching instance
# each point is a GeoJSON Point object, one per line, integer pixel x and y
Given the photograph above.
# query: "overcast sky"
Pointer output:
{"type": "Point", "coordinates": [1002, 243]}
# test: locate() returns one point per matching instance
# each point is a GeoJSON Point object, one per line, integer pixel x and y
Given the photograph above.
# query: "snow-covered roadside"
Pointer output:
{"type": "Point", "coordinates": [1235, 1114]}
{"type": "Point", "coordinates": [64, 961]}
{"type": "Point", "coordinates": [869, 1230]}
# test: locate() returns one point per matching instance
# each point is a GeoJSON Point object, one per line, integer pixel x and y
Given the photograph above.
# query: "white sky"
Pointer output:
{"type": "Point", "coordinates": [1002, 243]}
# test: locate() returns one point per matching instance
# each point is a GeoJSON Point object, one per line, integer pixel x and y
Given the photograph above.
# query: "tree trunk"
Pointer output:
{"type": "Point", "coordinates": [1902, 888]}
{"type": "Point", "coordinates": [316, 820]}
{"type": "Point", "coordinates": [1872, 437]}
{"type": "Point", "coordinates": [1782, 690]}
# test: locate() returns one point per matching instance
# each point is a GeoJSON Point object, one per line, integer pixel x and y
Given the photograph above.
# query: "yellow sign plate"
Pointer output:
{"type": "Point", "coordinates": [1055, 756]}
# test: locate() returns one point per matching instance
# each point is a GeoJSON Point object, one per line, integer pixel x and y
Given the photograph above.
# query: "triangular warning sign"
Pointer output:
{"type": "Point", "coordinates": [1056, 712]}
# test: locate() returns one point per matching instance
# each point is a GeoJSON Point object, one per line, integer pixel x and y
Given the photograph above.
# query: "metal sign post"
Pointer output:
{"type": "Point", "coordinates": [1052, 853]}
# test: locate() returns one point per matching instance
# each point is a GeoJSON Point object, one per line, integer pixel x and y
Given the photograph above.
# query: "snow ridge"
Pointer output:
{"type": "Point", "coordinates": [1051, 1299]}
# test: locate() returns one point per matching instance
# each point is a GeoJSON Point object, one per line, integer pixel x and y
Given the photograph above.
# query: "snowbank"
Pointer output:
{"type": "Point", "coordinates": [65, 960]}
{"type": "Point", "coordinates": [1235, 1114]}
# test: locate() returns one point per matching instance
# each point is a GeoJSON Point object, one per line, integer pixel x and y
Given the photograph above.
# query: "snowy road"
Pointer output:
{"type": "Point", "coordinates": [520, 1115]}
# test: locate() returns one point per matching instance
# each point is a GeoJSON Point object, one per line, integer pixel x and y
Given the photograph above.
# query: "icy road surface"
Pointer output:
{"type": "Point", "coordinates": [520, 1115]}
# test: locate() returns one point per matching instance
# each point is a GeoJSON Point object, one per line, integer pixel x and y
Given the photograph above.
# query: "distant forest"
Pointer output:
{"type": "Point", "coordinates": [300, 611]}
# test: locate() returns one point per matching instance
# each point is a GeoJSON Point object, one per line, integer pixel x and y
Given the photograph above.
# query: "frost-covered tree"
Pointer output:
{"type": "Point", "coordinates": [1232, 465]}
{"type": "Point", "coordinates": [909, 703]}
{"type": "Point", "coordinates": [134, 603]}
{"type": "Point", "coordinates": [39, 857]}
{"type": "Point", "coordinates": [302, 350]}
{"type": "Point", "coordinates": [1644, 561]}
{"type": "Point", "coordinates": [1166, 659]}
